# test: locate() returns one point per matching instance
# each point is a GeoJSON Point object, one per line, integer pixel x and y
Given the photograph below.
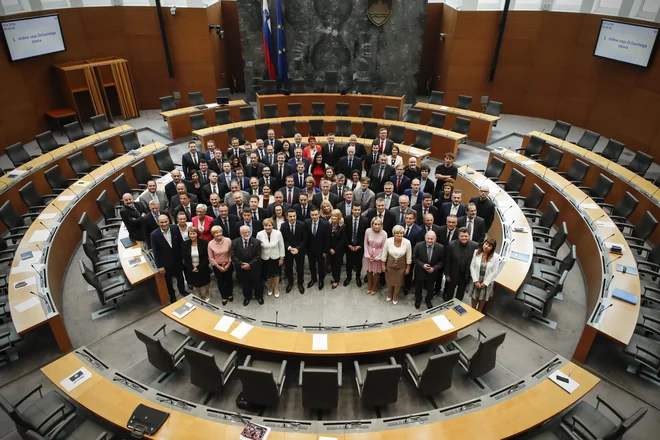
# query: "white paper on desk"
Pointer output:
{"type": "Point", "coordinates": [46, 216]}
{"type": "Point", "coordinates": [319, 342]}
{"type": "Point", "coordinates": [589, 206]}
{"type": "Point", "coordinates": [39, 236]}
{"type": "Point", "coordinates": [443, 323]}
{"type": "Point", "coordinates": [21, 307]}
{"type": "Point", "coordinates": [529, 162]}
{"type": "Point", "coordinates": [75, 379]}
{"type": "Point", "coordinates": [605, 224]}
{"type": "Point", "coordinates": [242, 330]}
{"type": "Point", "coordinates": [323, 437]}
{"type": "Point", "coordinates": [132, 252]}
{"type": "Point", "coordinates": [443, 107]}
{"type": "Point", "coordinates": [16, 173]}
{"type": "Point", "coordinates": [224, 323]}
{"type": "Point", "coordinates": [65, 198]}
{"type": "Point", "coordinates": [569, 387]}
{"type": "Point", "coordinates": [165, 179]}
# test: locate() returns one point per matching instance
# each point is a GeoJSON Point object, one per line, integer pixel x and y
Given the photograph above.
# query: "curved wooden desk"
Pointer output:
{"type": "Point", "coordinates": [61, 218]}
{"type": "Point", "coordinates": [588, 225]}
{"type": "Point", "coordinates": [505, 413]}
{"type": "Point", "coordinates": [481, 124]}
{"type": "Point", "coordinates": [378, 102]}
{"type": "Point", "coordinates": [624, 180]}
{"type": "Point", "coordinates": [34, 170]}
{"type": "Point", "coordinates": [178, 120]}
{"type": "Point", "coordinates": [443, 141]}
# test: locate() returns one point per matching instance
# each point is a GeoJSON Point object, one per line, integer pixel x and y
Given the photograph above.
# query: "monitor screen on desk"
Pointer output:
{"type": "Point", "coordinates": [626, 42]}
{"type": "Point", "coordinates": [32, 37]}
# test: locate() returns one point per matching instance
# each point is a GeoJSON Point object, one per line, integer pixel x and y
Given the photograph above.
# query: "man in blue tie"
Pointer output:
{"type": "Point", "coordinates": [318, 246]}
{"type": "Point", "coordinates": [356, 226]}
{"type": "Point", "coordinates": [428, 257]}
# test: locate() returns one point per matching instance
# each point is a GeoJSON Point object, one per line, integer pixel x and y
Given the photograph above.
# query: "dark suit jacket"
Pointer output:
{"type": "Point", "coordinates": [298, 241]}
{"type": "Point", "coordinates": [296, 194]}
{"type": "Point", "coordinates": [193, 211]}
{"type": "Point", "coordinates": [204, 177]}
{"type": "Point", "coordinates": [368, 161]}
{"type": "Point", "coordinates": [376, 184]}
{"type": "Point", "coordinates": [210, 213]}
{"type": "Point", "coordinates": [244, 183]}
{"type": "Point", "coordinates": [252, 257]}
{"type": "Point", "coordinates": [223, 178]}
{"type": "Point", "coordinates": [393, 202]}
{"type": "Point", "coordinates": [420, 213]}
{"type": "Point", "coordinates": [238, 212]}
{"type": "Point", "coordinates": [421, 257]}
{"type": "Point", "coordinates": [299, 214]}
{"type": "Point", "coordinates": [267, 161]}
{"type": "Point", "coordinates": [363, 225]}
{"type": "Point", "coordinates": [452, 267]}
{"type": "Point", "coordinates": [485, 210]}
{"type": "Point", "coordinates": [335, 190]}
{"type": "Point", "coordinates": [164, 255]}
{"type": "Point", "coordinates": [251, 171]}
{"type": "Point", "coordinates": [435, 228]}
{"type": "Point", "coordinates": [170, 188]}
{"type": "Point", "coordinates": [231, 152]}
{"type": "Point", "coordinates": [445, 210]}
{"type": "Point", "coordinates": [320, 243]}
{"type": "Point", "coordinates": [293, 162]}
{"type": "Point", "coordinates": [276, 143]}
{"type": "Point", "coordinates": [256, 227]}
{"type": "Point", "coordinates": [360, 151]}
{"type": "Point", "coordinates": [389, 220]}
{"type": "Point", "coordinates": [187, 163]}
{"type": "Point", "coordinates": [318, 198]}
{"type": "Point", "coordinates": [405, 184]}
{"type": "Point", "coordinates": [274, 171]}
{"type": "Point", "coordinates": [274, 184]}
{"type": "Point", "coordinates": [133, 221]}
{"type": "Point", "coordinates": [296, 180]}
{"type": "Point", "coordinates": [206, 192]}
{"type": "Point", "coordinates": [227, 229]}
{"type": "Point", "coordinates": [338, 240]}
{"type": "Point", "coordinates": [479, 231]}
{"type": "Point", "coordinates": [202, 248]}
{"type": "Point", "coordinates": [215, 166]}
{"type": "Point", "coordinates": [442, 235]}
{"type": "Point", "coordinates": [175, 203]}
{"type": "Point", "coordinates": [415, 235]}
{"type": "Point", "coordinates": [389, 143]}
{"type": "Point", "coordinates": [428, 187]}
{"type": "Point", "coordinates": [343, 168]}
{"type": "Point", "coordinates": [149, 225]}
{"type": "Point", "coordinates": [342, 207]}
{"type": "Point", "coordinates": [337, 153]}
{"type": "Point", "coordinates": [408, 192]}
{"type": "Point", "coordinates": [263, 214]}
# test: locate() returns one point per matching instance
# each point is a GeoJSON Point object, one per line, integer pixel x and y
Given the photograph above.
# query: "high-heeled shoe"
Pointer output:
{"type": "Point", "coordinates": [334, 285]}
{"type": "Point", "coordinates": [389, 298]}
{"type": "Point", "coordinates": [231, 299]}
{"type": "Point", "coordinates": [224, 302]}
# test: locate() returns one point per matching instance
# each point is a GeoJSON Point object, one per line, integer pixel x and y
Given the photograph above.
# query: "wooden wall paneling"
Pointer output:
{"type": "Point", "coordinates": [430, 45]}
{"type": "Point", "coordinates": [217, 46]}
{"type": "Point", "coordinates": [234, 53]}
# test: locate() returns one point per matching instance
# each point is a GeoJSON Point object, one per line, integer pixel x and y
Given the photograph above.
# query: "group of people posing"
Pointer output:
{"type": "Point", "coordinates": [256, 211]}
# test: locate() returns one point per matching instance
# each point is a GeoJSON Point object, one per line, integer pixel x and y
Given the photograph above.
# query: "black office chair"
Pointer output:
{"type": "Point", "coordinates": [391, 89]}
{"type": "Point", "coordinates": [270, 111]}
{"type": "Point", "coordinates": [289, 129]}
{"type": "Point", "coordinates": [298, 86]}
{"type": "Point", "coordinates": [397, 133]}
{"type": "Point", "coordinates": [437, 97]}
{"type": "Point", "coordinates": [210, 367]}
{"type": "Point", "coordinates": [130, 141]}
{"type": "Point", "coordinates": [84, 430]}
{"type": "Point", "coordinates": [390, 113]}
{"type": "Point", "coordinates": [600, 189]}
{"type": "Point", "coordinates": [532, 201]}
{"type": "Point", "coordinates": [437, 120]}
{"type": "Point", "coordinates": [552, 158]}
{"type": "Point", "coordinates": [423, 140]}
{"type": "Point", "coordinates": [545, 221]}
{"type": "Point", "coordinates": [261, 130]}
{"type": "Point", "coordinates": [142, 174]}
{"type": "Point", "coordinates": [432, 372]}
{"type": "Point", "coordinates": [588, 140]}
{"type": "Point", "coordinates": [294, 109]}
{"type": "Point", "coordinates": [32, 199]}
{"type": "Point", "coordinates": [102, 257]}
{"type": "Point", "coordinates": [164, 161]}
{"type": "Point", "coordinates": [8, 335]}
{"type": "Point", "coordinates": [493, 108]}
{"type": "Point", "coordinates": [640, 164]}
{"type": "Point", "coordinates": [121, 186]}
{"type": "Point", "coordinates": [99, 123]}
{"type": "Point", "coordinates": [47, 142]}
{"type": "Point", "coordinates": [622, 210]}
{"type": "Point", "coordinates": [650, 266]}
{"type": "Point", "coordinates": [560, 130]}
{"type": "Point", "coordinates": [556, 242]}
{"type": "Point", "coordinates": [79, 164]}
{"type": "Point", "coordinates": [544, 274]}
{"type": "Point", "coordinates": [195, 98]}
{"type": "Point", "coordinates": [237, 132]}
{"type": "Point", "coordinates": [197, 122]}
{"type": "Point", "coordinates": [15, 222]}
{"type": "Point", "coordinates": [365, 111]}
{"type": "Point", "coordinates": [369, 130]}
{"type": "Point", "coordinates": [56, 180]}
{"type": "Point", "coordinates": [342, 109]}
{"type": "Point", "coordinates": [494, 169]}
{"type": "Point", "coordinates": [17, 154]}
{"type": "Point", "coordinates": [100, 235]}
{"type": "Point", "coordinates": [331, 82]}
{"type": "Point", "coordinates": [316, 127]}
{"type": "Point", "coordinates": [378, 384]}
{"type": "Point", "coordinates": [577, 173]}
{"type": "Point", "coordinates": [223, 117]}
{"type": "Point", "coordinates": [318, 108]}
{"type": "Point", "coordinates": [641, 231]}
{"type": "Point", "coordinates": [363, 87]}
{"type": "Point", "coordinates": [41, 415]}
{"type": "Point", "coordinates": [110, 284]}
{"type": "Point", "coordinates": [590, 423]}
{"type": "Point", "coordinates": [320, 386]}
{"type": "Point", "coordinates": [247, 114]}
{"type": "Point", "coordinates": [533, 148]}
{"type": "Point", "coordinates": [478, 356]}
{"type": "Point", "coordinates": [262, 381]}
{"type": "Point", "coordinates": [612, 150]}
{"type": "Point", "coordinates": [343, 128]}
{"type": "Point", "coordinates": [223, 93]}
{"type": "Point", "coordinates": [462, 126]}
{"type": "Point", "coordinates": [414, 116]}
{"type": "Point", "coordinates": [165, 352]}
{"type": "Point", "coordinates": [167, 103]}
{"type": "Point", "coordinates": [514, 183]}
{"type": "Point", "coordinates": [645, 351]}
{"type": "Point", "coordinates": [104, 152]}
{"type": "Point", "coordinates": [270, 87]}
{"type": "Point", "coordinates": [464, 102]}
{"type": "Point", "coordinates": [74, 131]}
{"type": "Point", "coordinates": [540, 299]}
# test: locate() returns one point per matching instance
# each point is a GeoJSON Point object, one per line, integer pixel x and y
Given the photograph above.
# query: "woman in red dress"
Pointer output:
{"type": "Point", "coordinates": [311, 150]}
{"type": "Point", "coordinates": [317, 169]}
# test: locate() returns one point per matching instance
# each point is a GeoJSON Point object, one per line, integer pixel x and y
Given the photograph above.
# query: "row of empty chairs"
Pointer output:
{"type": "Point", "coordinates": [318, 109]}
{"type": "Point", "coordinates": [331, 85]}
{"type": "Point", "coordinates": [168, 103]}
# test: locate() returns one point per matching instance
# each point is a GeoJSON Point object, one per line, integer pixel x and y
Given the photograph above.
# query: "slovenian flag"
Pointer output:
{"type": "Point", "coordinates": [268, 41]}
{"type": "Point", "coordinates": [282, 70]}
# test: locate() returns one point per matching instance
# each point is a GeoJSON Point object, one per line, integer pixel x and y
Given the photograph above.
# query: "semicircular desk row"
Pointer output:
{"type": "Point", "coordinates": [647, 194]}
{"type": "Point", "coordinates": [35, 285]}
{"type": "Point", "coordinates": [593, 233]}
{"type": "Point", "coordinates": [440, 141]}
{"type": "Point", "coordinates": [413, 330]}
{"type": "Point", "coordinates": [178, 120]}
{"type": "Point", "coordinates": [481, 124]}
{"type": "Point", "coordinates": [34, 170]}
{"type": "Point", "coordinates": [512, 410]}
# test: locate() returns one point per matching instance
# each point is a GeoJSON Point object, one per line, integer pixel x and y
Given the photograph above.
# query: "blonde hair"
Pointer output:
{"type": "Point", "coordinates": [215, 229]}
{"type": "Point", "coordinates": [267, 222]}
{"type": "Point", "coordinates": [325, 204]}
{"type": "Point", "coordinates": [337, 212]}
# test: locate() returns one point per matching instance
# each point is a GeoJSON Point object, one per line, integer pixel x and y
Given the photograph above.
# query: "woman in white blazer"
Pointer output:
{"type": "Point", "coordinates": [272, 254]}
{"type": "Point", "coordinates": [395, 159]}
{"type": "Point", "coordinates": [484, 268]}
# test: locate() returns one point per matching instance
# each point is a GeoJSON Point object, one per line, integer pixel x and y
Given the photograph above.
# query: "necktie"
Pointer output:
{"type": "Point", "coordinates": [382, 146]}
{"type": "Point", "coordinates": [449, 235]}
{"type": "Point", "coordinates": [407, 231]}
{"type": "Point", "coordinates": [270, 159]}
{"type": "Point", "coordinates": [194, 158]}
{"type": "Point", "coordinates": [348, 209]}
{"type": "Point", "coordinates": [314, 229]}
{"type": "Point", "coordinates": [187, 208]}
{"type": "Point", "coordinates": [470, 228]}
{"type": "Point", "coordinates": [380, 173]}
{"type": "Point", "coordinates": [375, 158]}
{"type": "Point", "coordinates": [135, 209]}
{"type": "Point", "coordinates": [402, 217]}
{"type": "Point", "coordinates": [304, 212]}
{"type": "Point", "coordinates": [289, 197]}
{"type": "Point", "coordinates": [293, 230]}
{"type": "Point", "coordinates": [255, 214]}
{"type": "Point", "coordinates": [245, 245]}
{"type": "Point", "coordinates": [331, 149]}
{"type": "Point", "coordinates": [340, 191]}
{"type": "Point", "coordinates": [228, 179]}
{"type": "Point", "coordinates": [241, 182]}
{"type": "Point", "coordinates": [426, 211]}
{"type": "Point", "coordinates": [226, 224]}
{"type": "Point", "coordinates": [267, 181]}
{"type": "Point", "coordinates": [398, 183]}
{"type": "Point", "coordinates": [387, 202]}
{"type": "Point", "coordinates": [300, 180]}
{"type": "Point", "coordinates": [215, 212]}
{"type": "Point", "coordinates": [355, 231]}
{"type": "Point", "coordinates": [350, 163]}
{"type": "Point", "coordinates": [214, 189]}
{"type": "Point", "coordinates": [429, 251]}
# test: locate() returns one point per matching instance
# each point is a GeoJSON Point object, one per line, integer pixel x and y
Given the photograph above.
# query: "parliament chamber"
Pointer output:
{"type": "Point", "coordinates": [434, 219]}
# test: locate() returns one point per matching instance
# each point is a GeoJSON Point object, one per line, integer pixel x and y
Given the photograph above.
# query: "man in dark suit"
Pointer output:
{"type": "Point", "coordinates": [235, 149]}
{"type": "Point", "coordinates": [170, 187]}
{"type": "Point", "coordinates": [290, 191]}
{"type": "Point", "coordinates": [300, 176]}
{"type": "Point", "coordinates": [215, 163]}
{"type": "Point", "coordinates": [225, 220]}
{"type": "Point", "coordinates": [209, 154]}
{"type": "Point", "coordinates": [388, 219]}
{"type": "Point", "coordinates": [246, 256]}
{"type": "Point", "coordinates": [448, 232]}
{"type": "Point", "coordinates": [458, 256]}
{"type": "Point", "coordinates": [243, 182]}
{"type": "Point", "coordinates": [303, 207]}
{"type": "Point", "coordinates": [414, 193]}
{"type": "Point", "coordinates": [384, 144]}
{"type": "Point", "coordinates": [356, 226]}
{"type": "Point", "coordinates": [325, 194]}
{"type": "Point", "coordinates": [281, 169]}
{"type": "Point", "coordinates": [190, 160]}
{"type": "Point", "coordinates": [297, 158]}
{"type": "Point", "coordinates": [413, 232]}
{"type": "Point", "coordinates": [485, 206]}
{"type": "Point", "coordinates": [131, 214]}
{"type": "Point", "coordinates": [258, 213]}
{"type": "Point", "coordinates": [391, 199]}
{"type": "Point", "coordinates": [339, 187]}
{"type": "Point", "coordinates": [185, 205]}
{"type": "Point", "coordinates": [473, 223]}
{"type": "Point", "coordinates": [331, 151]}
{"type": "Point", "coordinates": [371, 159]}
{"type": "Point", "coordinates": [279, 200]}
{"type": "Point", "coordinates": [150, 221]}
{"type": "Point", "coordinates": [270, 158]}
{"type": "Point", "coordinates": [348, 163]}
{"type": "Point", "coordinates": [227, 175]}
{"type": "Point", "coordinates": [426, 185]}
{"type": "Point", "coordinates": [429, 225]}
{"type": "Point", "coordinates": [401, 181]}
{"type": "Point", "coordinates": [213, 208]}
{"type": "Point", "coordinates": [245, 157]}
{"type": "Point", "coordinates": [379, 174]}
{"type": "Point", "coordinates": [295, 244]}
{"type": "Point", "coordinates": [360, 151]}
{"type": "Point", "coordinates": [346, 206]}
{"type": "Point", "coordinates": [213, 187]}
{"type": "Point", "coordinates": [318, 246]}
{"type": "Point", "coordinates": [166, 245]}
{"type": "Point", "coordinates": [426, 207]}
{"type": "Point", "coordinates": [255, 167]}
{"type": "Point", "coordinates": [267, 179]}
{"type": "Point", "coordinates": [247, 220]}
{"type": "Point", "coordinates": [412, 171]}
{"type": "Point", "coordinates": [428, 258]}
{"type": "Point", "coordinates": [271, 141]}
{"type": "Point", "coordinates": [454, 207]}
{"type": "Point", "coordinates": [204, 172]}
{"type": "Point", "coordinates": [175, 201]}
{"type": "Point", "coordinates": [260, 151]}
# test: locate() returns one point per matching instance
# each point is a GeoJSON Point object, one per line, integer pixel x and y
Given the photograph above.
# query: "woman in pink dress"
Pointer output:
{"type": "Point", "coordinates": [374, 242]}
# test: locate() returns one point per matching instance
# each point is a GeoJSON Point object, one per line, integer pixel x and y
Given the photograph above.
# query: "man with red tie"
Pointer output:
{"type": "Point", "coordinates": [384, 144]}
{"type": "Point", "coordinates": [400, 180]}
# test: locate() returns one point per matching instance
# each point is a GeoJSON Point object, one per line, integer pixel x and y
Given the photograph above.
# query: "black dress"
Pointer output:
{"type": "Point", "coordinates": [202, 277]}
{"type": "Point", "coordinates": [338, 244]}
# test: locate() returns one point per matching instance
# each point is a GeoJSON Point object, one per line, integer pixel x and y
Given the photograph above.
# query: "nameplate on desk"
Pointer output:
{"type": "Point", "coordinates": [39, 236]}
{"type": "Point", "coordinates": [528, 162]}
{"type": "Point", "coordinates": [624, 296]}
{"type": "Point", "coordinates": [520, 229]}
{"type": "Point", "coordinates": [565, 382]}
{"type": "Point", "coordinates": [252, 431]}
{"type": "Point", "coordinates": [627, 269]}
{"type": "Point", "coordinates": [17, 173]}
{"type": "Point", "coordinates": [136, 261]}
{"type": "Point", "coordinates": [46, 216]}
{"type": "Point", "coordinates": [224, 323]}
{"type": "Point", "coordinates": [614, 248]}
{"type": "Point", "coordinates": [442, 322]}
{"type": "Point", "coordinates": [75, 379]}
{"type": "Point", "coordinates": [183, 310]}
{"type": "Point", "coordinates": [65, 198]}
{"type": "Point", "coordinates": [589, 206]}
{"type": "Point", "coordinates": [443, 107]}
{"type": "Point", "coordinates": [319, 342]}
{"type": "Point", "coordinates": [520, 256]}
{"type": "Point", "coordinates": [606, 224]}
{"type": "Point", "coordinates": [82, 183]}
{"type": "Point", "coordinates": [242, 330]}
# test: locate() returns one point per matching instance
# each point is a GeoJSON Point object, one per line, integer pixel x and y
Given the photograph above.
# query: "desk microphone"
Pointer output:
{"type": "Point", "coordinates": [596, 219]}
{"type": "Point", "coordinates": [49, 230]}
{"type": "Point", "coordinates": [365, 324]}
{"type": "Point", "coordinates": [606, 287]}
{"type": "Point", "coordinates": [603, 240]}
{"type": "Point", "coordinates": [507, 208]}
{"type": "Point", "coordinates": [38, 273]}
{"type": "Point", "coordinates": [45, 300]}
{"type": "Point", "coordinates": [612, 260]}
{"type": "Point", "coordinates": [511, 242]}
{"type": "Point", "coordinates": [55, 206]}
{"type": "Point", "coordinates": [545, 171]}
{"type": "Point", "coordinates": [582, 201]}
{"type": "Point", "coordinates": [603, 310]}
